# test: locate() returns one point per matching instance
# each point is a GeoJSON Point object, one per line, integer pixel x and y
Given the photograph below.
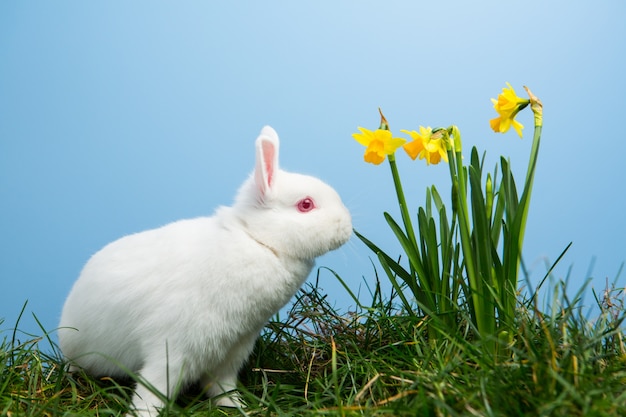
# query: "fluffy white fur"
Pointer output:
{"type": "Point", "coordinates": [185, 302]}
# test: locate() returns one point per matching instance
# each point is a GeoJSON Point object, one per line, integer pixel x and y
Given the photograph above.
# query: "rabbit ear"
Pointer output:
{"type": "Point", "coordinates": [266, 160]}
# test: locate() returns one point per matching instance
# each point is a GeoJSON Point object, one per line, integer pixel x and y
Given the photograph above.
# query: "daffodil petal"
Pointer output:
{"type": "Point", "coordinates": [518, 127]}
{"type": "Point", "coordinates": [365, 137]}
{"type": "Point", "coordinates": [392, 145]}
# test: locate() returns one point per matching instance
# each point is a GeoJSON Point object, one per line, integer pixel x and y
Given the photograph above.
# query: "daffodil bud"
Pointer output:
{"type": "Point", "coordinates": [456, 135]}
{"type": "Point", "coordinates": [536, 106]}
{"type": "Point", "coordinates": [505, 337]}
{"type": "Point", "coordinates": [489, 195]}
{"type": "Point", "coordinates": [383, 122]}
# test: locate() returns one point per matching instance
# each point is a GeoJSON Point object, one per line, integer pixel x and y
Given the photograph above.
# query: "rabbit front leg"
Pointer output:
{"type": "Point", "coordinates": [224, 387]}
{"type": "Point", "coordinates": [222, 382]}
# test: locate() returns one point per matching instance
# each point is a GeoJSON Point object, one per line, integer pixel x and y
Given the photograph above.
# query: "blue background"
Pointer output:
{"type": "Point", "coordinates": [116, 117]}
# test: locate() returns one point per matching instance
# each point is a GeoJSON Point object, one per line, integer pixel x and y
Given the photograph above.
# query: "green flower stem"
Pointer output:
{"type": "Point", "coordinates": [406, 218]}
{"type": "Point", "coordinates": [537, 108]}
{"type": "Point", "coordinates": [533, 156]}
{"type": "Point", "coordinates": [482, 313]}
{"type": "Point", "coordinates": [524, 207]}
{"type": "Point", "coordinates": [460, 205]}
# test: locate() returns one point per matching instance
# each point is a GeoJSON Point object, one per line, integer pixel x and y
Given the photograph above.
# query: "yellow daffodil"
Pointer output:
{"type": "Point", "coordinates": [508, 105]}
{"type": "Point", "coordinates": [427, 145]}
{"type": "Point", "coordinates": [379, 143]}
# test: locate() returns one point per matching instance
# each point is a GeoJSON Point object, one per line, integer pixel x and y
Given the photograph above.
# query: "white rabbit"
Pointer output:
{"type": "Point", "coordinates": [184, 303]}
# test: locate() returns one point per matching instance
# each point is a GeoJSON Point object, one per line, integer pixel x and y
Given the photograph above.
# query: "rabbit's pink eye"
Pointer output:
{"type": "Point", "coordinates": [306, 205]}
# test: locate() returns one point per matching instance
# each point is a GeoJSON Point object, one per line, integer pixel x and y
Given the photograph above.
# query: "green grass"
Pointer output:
{"type": "Point", "coordinates": [374, 361]}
